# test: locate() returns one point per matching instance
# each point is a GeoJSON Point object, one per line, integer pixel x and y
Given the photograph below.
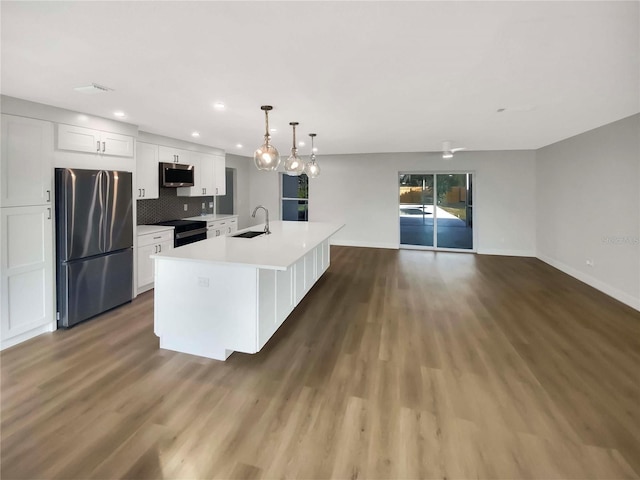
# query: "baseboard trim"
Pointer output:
{"type": "Point", "coordinates": [349, 243]}
{"type": "Point", "coordinates": [506, 253]}
{"type": "Point", "coordinates": [23, 337]}
{"type": "Point", "coordinates": [592, 282]}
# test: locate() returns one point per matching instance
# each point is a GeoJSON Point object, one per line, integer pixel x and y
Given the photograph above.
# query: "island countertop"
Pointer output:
{"type": "Point", "coordinates": [288, 242]}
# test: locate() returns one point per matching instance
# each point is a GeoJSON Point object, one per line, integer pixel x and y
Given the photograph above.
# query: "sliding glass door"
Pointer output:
{"type": "Point", "coordinates": [436, 210]}
{"type": "Point", "coordinates": [416, 210]}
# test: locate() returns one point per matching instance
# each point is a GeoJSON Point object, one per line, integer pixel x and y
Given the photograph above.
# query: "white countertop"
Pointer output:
{"type": "Point", "coordinates": [288, 242]}
{"type": "Point", "coordinates": [211, 217]}
{"type": "Point", "coordinates": [147, 229]}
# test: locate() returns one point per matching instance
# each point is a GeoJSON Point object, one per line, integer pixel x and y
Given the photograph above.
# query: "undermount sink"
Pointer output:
{"type": "Point", "coordinates": [249, 234]}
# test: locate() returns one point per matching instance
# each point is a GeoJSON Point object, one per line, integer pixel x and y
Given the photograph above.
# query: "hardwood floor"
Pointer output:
{"type": "Point", "coordinates": [398, 364]}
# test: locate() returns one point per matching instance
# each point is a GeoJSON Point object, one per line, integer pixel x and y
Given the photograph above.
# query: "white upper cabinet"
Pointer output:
{"type": "Point", "coordinates": [147, 176]}
{"type": "Point", "coordinates": [116, 144]}
{"type": "Point", "coordinates": [219, 174]}
{"type": "Point", "coordinates": [26, 168]}
{"type": "Point", "coordinates": [81, 139]}
{"type": "Point", "coordinates": [174, 155]}
{"type": "Point", "coordinates": [209, 176]}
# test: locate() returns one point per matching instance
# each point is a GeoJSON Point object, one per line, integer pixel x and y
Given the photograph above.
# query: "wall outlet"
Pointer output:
{"type": "Point", "coordinates": [185, 207]}
{"type": "Point", "coordinates": [203, 282]}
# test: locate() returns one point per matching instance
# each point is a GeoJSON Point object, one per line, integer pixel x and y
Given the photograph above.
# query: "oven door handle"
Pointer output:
{"type": "Point", "coordinates": [191, 233]}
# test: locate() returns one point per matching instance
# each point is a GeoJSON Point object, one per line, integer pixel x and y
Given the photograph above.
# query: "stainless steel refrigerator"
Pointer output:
{"type": "Point", "coordinates": [94, 242]}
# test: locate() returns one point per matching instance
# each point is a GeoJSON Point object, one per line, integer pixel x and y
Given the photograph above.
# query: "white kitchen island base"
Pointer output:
{"type": "Point", "coordinates": [231, 294]}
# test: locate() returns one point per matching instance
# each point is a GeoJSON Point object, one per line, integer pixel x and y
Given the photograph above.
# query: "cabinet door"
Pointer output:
{"type": "Point", "coordinates": [79, 139]}
{"type": "Point", "coordinates": [147, 177]}
{"type": "Point", "coordinates": [267, 324]}
{"type": "Point", "coordinates": [219, 175]}
{"type": "Point", "coordinates": [116, 144]}
{"type": "Point", "coordinates": [207, 179]}
{"type": "Point", "coordinates": [233, 226]}
{"type": "Point", "coordinates": [298, 281]}
{"type": "Point", "coordinates": [173, 155]}
{"type": "Point", "coordinates": [310, 269]}
{"type": "Point", "coordinates": [166, 246]}
{"type": "Point", "coordinates": [27, 270]}
{"type": "Point", "coordinates": [27, 151]}
{"type": "Point", "coordinates": [284, 294]}
{"type": "Point", "coordinates": [145, 264]}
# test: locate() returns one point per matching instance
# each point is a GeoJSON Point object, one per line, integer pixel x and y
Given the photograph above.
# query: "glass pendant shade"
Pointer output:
{"type": "Point", "coordinates": [294, 165]}
{"type": "Point", "coordinates": [266, 157]}
{"type": "Point", "coordinates": [312, 169]}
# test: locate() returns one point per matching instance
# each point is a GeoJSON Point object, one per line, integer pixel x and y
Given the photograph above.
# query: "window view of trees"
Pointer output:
{"type": "Point", "coordinates": [295, 198]}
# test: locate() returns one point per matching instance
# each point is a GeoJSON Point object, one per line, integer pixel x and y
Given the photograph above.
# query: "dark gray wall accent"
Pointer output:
{"type": "Point", "coordinates": [170, 207]}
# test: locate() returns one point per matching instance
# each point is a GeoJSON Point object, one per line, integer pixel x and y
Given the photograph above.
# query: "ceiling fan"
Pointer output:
{"type": "Point", "coordinates": [447, 151]}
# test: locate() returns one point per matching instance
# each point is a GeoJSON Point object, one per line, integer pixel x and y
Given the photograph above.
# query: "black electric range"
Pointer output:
{"type": "Point", "coordinates": [186, 231]}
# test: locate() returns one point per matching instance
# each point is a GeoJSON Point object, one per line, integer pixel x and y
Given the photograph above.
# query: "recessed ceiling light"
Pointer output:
{"type": "Point", "coordinates": [218, 106]}
{"type": "Point", "coordinates": [195, 134]}
{"type": "Point", "coordinates": [238, 145]}
{"type": "Point", "coordinates": [119, 114]}
{"type": "Point", "coordinates": [301, 144]}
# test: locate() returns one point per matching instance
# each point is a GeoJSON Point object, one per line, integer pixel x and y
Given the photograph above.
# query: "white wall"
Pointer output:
{"type": "Point", "coordinates": [265, 190]}
{"type": "Point", "coordinates": [361, 191]}
{"type": "Point", "coordinates": [242, 201]}
{"type": "Point", "coordinates": [588, 204]}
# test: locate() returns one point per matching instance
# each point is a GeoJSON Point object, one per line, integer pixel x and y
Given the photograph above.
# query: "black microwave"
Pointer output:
{"type": "Point", "coordinates": [176, 175]}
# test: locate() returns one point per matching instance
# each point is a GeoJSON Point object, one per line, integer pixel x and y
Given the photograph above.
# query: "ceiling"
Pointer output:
{"type": "Point", "coordinates": [365, 76]}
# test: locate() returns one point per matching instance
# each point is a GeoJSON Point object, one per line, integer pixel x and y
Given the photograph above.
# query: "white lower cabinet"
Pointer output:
{"type": "Point", "coordinates": [27, 279]}
{"type": "Point", "coordinates": [226, 307]}
{"type": "Point", "coordinates": [220, 228]}
{"type": "Point", "coordinates": [149, 244]}
{"type": "Point", "coordinates": [279, 291]}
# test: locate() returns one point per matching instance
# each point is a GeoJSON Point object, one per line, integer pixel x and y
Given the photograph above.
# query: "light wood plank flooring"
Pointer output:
{"type": "Point", "coordinates": [398, 364]}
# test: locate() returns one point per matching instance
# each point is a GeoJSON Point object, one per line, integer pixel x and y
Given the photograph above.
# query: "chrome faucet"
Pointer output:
{"type": "Point", "coordinates": [266, 225]}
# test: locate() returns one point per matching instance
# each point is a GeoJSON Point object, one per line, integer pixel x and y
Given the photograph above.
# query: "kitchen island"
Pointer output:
{"type": "Point", "coordinates": [228, 294]}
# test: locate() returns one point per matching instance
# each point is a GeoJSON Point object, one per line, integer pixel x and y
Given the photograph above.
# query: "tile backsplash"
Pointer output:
{"type": "Point", "coordinates": [170, 207]}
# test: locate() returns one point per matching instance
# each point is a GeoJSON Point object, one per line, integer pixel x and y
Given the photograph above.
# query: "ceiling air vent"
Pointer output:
{"type": "Point", "coordinates": [93, 89]}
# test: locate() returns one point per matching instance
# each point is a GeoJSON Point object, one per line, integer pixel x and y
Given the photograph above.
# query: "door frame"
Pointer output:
{"type": "Point", "coordinates": [435, 173]}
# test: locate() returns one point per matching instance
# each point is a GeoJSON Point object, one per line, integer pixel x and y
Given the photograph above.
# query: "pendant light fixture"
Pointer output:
{"type": "Point", "coordinates": [312, 169]}
{"type": "Point", "coordinates": [266, 157]}
{"type": "Point", "coordinates": [294, 165]}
